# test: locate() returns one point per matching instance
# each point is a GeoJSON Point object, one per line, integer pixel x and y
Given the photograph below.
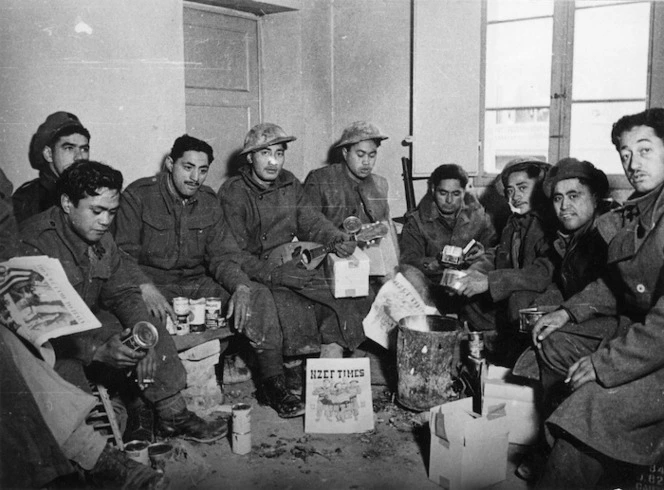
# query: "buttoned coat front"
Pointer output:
{"type": "Point", "coordinates": [622, 414]}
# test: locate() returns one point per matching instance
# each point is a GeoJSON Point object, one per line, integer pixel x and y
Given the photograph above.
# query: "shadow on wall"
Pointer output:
{"type": "Point", "coordinates": [494, 203]}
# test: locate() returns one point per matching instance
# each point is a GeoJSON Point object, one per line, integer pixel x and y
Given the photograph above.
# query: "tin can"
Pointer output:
{"type": "Point", "coordinates": [451, 255]}
{"type": "Point", "coordinates": [212, 313]}
{"type": "Point", "coordinates": [476, 345]}
{"type": "Point", "coordinates": [138, 451]}
{"type": "Point", "coordinates": [181, 308]}
{"type": "Point", "coordinates": [143, 336]}
{"type": "Point", "coordinates": [528, 317]}
{"type": "Point", "coordinates": [197, 321]}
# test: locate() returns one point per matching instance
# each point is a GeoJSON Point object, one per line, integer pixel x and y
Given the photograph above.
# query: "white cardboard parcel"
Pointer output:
{"type": "Point", "coordinates": [349, 277]}
{"type": "Point", "coordinates": [519, 399]}
{"type": "Point", "coordinates": [467, 450]}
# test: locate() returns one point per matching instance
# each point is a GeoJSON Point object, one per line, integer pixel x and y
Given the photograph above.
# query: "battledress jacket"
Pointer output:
{"type": "Point", "coordinates": [425, 232]}
{"type": "Point", "coordinates": [174, 240]}
{"type": "Point", "coordinates": [98, 273]}
{"type": "Point", "coordinates": [622, 414]}
{"type": "Point", "coordinates": [332, 191]}
{"type": "Point", "coordinates": [35, 196]}
{"type": "Point", "coordinates": [265, 218]}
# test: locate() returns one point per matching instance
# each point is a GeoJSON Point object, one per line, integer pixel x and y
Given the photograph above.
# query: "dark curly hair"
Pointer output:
{"type": "Point", "coordinates": [189, 143]}
{"type": "Point", "coordinates": [85, 177]}
{"type": "Point", "coordinates": [653, 118]}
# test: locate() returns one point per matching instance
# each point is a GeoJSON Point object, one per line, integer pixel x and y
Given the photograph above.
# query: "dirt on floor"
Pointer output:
{"type": "Point", "coordinates": [392, 456]}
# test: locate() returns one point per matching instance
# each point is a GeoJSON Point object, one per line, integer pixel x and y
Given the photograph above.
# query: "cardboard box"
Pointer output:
{"type": "Point", "coordinates": [349, 277]}
{"type": "Point", "coordinates": [468, 450]}
{"type": "Point", "coordinates": [519, 399]}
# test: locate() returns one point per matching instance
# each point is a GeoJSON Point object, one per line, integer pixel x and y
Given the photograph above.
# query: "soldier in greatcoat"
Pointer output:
{"type": "Point", "coordinates": [608, 339]}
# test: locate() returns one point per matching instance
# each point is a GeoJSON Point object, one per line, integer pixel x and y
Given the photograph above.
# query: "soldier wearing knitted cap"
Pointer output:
{"type": "Point", "coordinates": [266, 207]}
{"type": "Point", "coordinates": [59, 141]}
{"type": "Point", "coordinates": [509, 276]}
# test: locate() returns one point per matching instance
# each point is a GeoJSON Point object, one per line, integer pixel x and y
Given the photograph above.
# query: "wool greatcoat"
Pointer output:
{"type": "Point", "coordinates": [518, 268]}
{"type": "Point", "coordinates": [36, 196]}
{"type": "Point", "coordinates": [265, 218]}
{"type": "Point", "coordinates": [622, 414]}
{"type": "Point", "coordinates": [426, 233]}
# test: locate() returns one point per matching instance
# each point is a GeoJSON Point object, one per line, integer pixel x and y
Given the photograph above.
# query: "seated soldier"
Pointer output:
{"type": "Point", "coordinates": [77, 233]}
{"type": "Point", "coordinates": [173, 227]}
{"type": "Point", "coordinates": [266, 207]}
{"type": "Point", "coordinates": [59, 141]}
{"type": "Point", "coordinates": [43, 416]}
{"type": "Point", "coordinates": [519, 268]}
{"type": "Point", "coordinates": [577, 190]}
{"type": "Point", "coordinates": [352, 188]}
{"type": "Point", "coordinates": [606, 341]}
{"type": "Point", "coordinates": [447, 215]}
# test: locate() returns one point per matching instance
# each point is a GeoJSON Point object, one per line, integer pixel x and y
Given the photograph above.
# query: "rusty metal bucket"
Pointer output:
{"type": "Point", "coordinates": [426, 360]}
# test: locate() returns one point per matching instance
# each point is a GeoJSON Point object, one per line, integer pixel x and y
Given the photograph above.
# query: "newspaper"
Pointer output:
{"type": "Point", "coordinates": [38, 303]}
{"type": "Point", "coordinates": [396, 299]}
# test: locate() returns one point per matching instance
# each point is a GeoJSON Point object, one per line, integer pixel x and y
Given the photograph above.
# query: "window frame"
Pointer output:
{"type": "Point", "coordinates": [560, 109]}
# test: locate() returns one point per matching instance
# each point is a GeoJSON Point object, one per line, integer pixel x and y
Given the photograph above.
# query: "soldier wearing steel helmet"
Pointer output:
{"type": "Point", "coordinates": [266, 207]}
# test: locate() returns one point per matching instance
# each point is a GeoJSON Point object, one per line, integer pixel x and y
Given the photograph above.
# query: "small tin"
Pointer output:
{"type": "Point", "coordinates": [451, 255]}
{"type": "Point", "coordinates": [197, 320]}
{"type": "Point", "coordinates": [476, 345]}
{"type": "Point", "coordinates": [143, 336]}
{"type": "Point", "coordinates": [159, 453]}
{"type": "Point", "coordinates": [528, 317]}
{"type": "Point", "coordinates": [212, 313]}
{"type": "Point", "coordinates": [182, 310]}
{"type": "Point", "coordinates": [450, 279]}
{"type": "Point", "coordinates": [138, 451]}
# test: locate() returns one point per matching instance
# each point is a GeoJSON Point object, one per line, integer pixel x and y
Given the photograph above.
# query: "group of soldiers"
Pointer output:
{"type": "Point", "coordinates": [128, 253]}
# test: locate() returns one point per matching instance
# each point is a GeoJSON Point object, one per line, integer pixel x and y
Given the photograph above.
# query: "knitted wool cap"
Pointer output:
{"type": "Point", "coordinates": [570, 168]}
{"type": "Point", "coordinates": [264, 135]}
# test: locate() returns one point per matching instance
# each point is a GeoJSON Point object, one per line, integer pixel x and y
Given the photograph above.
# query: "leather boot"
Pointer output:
{"type": "Point", "coordinates": [140, 422]}
{"type": "Point", "coordinates": [273, 392]}
{"type": "Point", "coordinates": [294, 374]}
{"type": "Point", "coordinates": [190, 426]}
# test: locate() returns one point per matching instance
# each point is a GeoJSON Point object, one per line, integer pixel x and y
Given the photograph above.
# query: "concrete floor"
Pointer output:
{"type": "Point", "coordinates": [392, 456]}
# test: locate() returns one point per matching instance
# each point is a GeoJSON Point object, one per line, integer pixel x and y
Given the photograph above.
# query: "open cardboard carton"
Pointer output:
{"type": "Point", "coordinates": [518, 396]}
{"type": "Point", "coordinates": [349, 276]}
{"type": "Point", "coordinates": [468, 450]}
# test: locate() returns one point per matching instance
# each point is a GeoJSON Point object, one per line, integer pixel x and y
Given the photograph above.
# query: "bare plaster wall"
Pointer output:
{"type": "Point", "coordinates": [117, 65]}
{"type": "Point", "coordinates": [335, 62]}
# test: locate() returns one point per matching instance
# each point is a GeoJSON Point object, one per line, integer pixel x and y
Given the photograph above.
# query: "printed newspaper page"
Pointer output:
{"type": "Point", "coordinates": [38, 302]}
{"type": "Point", "coordinates": [396, 299]}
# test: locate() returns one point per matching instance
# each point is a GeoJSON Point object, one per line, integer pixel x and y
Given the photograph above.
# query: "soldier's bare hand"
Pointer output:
{"type": "Point", "coordinates": [156, 303]}
{"type": "Point", "coordinates": [580, 373]}
{"type": "Point", "coordinates": [548, 324]}
{"type": "Point", "coordinates": [146, 369]}
{"type": "Point", "coordinates": [344, 248]}
{"type": "Point", "coordinates": [114, 353]}
{"type": "Point", "coordinates": [238, 307]}
{"type": "Point", "coordinates": [472, 284]}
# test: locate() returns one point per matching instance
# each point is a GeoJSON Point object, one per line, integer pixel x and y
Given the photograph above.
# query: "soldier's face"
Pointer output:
{"type": "Point", "coordinates": [266, 164]}
{"type": "Point", "coordinates": [93, 215]}
{"type": "Point", "coordinates": [65, 151]}
{"type": "Point", "coordinates": [519, 191]}
{"type": "Point", "coordinates": [448, 195]}
{"type": "Point", "coordinates": [361, 158]}
{"type": "Point", "coordinates": [642, 156]}
{"type": "Point", "coordinates": [188, 173]}
{"type": "Point", "coordinates": [574, 204]}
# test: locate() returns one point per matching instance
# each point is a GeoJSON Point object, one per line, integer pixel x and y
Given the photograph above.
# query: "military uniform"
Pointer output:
{"type": "Point", "coordinates": [263, 219]}
{"type": "Point", "coordinates": [186, 249]}
{"type": "Point", "coordinates": [426, 233]}
{"type": "Point", "coordinates": [35, 196]}
{"type": "Point", "coordinates": [620, 415]}
{"type": "Point", "coordinates": [101, 275]}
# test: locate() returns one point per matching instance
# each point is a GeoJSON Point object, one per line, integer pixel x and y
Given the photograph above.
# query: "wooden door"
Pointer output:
{"type": "Point", "coordinates": [221, 83]}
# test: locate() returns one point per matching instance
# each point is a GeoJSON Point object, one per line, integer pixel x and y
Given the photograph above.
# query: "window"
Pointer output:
{"type": "Point", "coordinates": [558, 74]}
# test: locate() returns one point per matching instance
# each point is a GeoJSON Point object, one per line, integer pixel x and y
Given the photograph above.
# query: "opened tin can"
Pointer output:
{"type": "Point", "coordinates": [212, 313]}
{"type": "Point", "coordinates": [197, 320]}
{"type": "Point", "coordinates": [143, 336]}
{"type": "Point", "coordinates": [181, 309]}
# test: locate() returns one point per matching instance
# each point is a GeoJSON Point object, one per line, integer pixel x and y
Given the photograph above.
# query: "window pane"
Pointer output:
{"type": "Point", "coordinates": [591, 132]}
{"type": "Point", "coordinates": [518, 64]}
{"type": "Point", "coordinates": [611, 52]}
{"type": "Point", "coordinates": [514, 133]}
{"type": "Point", "coordinates": [518, 9]}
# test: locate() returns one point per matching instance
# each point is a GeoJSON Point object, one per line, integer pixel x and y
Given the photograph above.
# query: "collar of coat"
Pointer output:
{"type": "Point", "coordinates": [284, 179]}
{"type": "Point", "coordinates": [171, 195]}
{"type": "Point", "coordinates": [428, 209]}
